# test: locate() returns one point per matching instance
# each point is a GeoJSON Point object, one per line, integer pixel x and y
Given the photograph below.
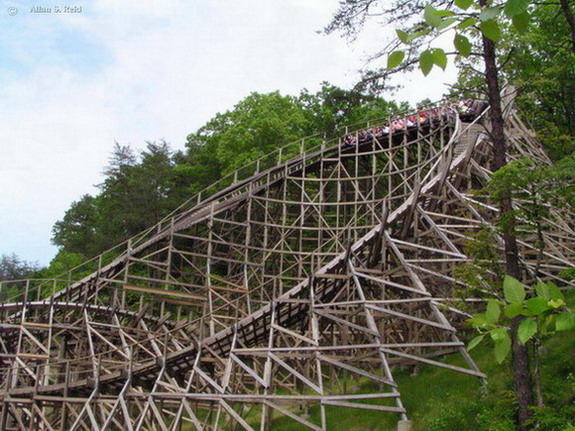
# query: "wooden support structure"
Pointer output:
{"type": "Point", "coordinates": [271, 292]}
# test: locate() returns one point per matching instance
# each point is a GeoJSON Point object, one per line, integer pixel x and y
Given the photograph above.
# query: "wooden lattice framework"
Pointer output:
{"type": "Point", "coordinates": [321, 265]}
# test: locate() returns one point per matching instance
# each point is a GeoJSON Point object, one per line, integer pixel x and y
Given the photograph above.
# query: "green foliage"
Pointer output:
{"type": "Point", "coordinates": [395, 59]}
{"type": "Point", "coordinates": [539, 188]}
{"type": "Point", "coordinates": [136, 193]}
{"type": "Point", "coordinates": [540, 61]}
{"type": "Point", "coordinates": [462, 45]}
{"type": "Point", "coordinates": [485, 19]}
{"type": "Point", "coordinates": [484, 272]}
{"type": "Point", "coordinates": [62, 262]}
{"type": "Point", "coordinates": [13, 268]}
{"type": "Point", "coordinates": [513, 290]}
{"type": "Point", "coordinates": [439, 401]}
{"type": "Point", "coordinates": [515, 7]}
{"type": "Point", "coordinates": [558, 381]}
{"type": "Point", "coordinates": [536, 316]}
{"type": "Point", "coordinates": [404, 37]}
{"type": "Point", "coordinates": [431, 16]}
{"type": "Point", "coordinates": [76, 232]}
{"type": "Point", "coordinates": [331, 108]}
{"type": "Point", "coordinates": [426, 61]}
{"type": "Point", "coordinates": [490, 29]}
{"type": "Point", "coordinates": [464, 4]}
{"type": "Point", "coordinates": [502, 346]}
{"type": "Point", "coordinates": [527, 329]}
{"type": "Point", "coordinates": [139, 190]}
{"type": "Point", "coordinates": [565, 321]}
{"type": "Point", "coordinates": [521, 22]}
{"type": "Point", "coordinates": [440, 58]}
{"type": "Point", "coordinates": [534, 45]}
{"type": "Point", "coordinates": [489, 13]}
{"type": "Point", "coordinates": [256, 126]}
{"type": "Point", "coordinates": [493, 311]}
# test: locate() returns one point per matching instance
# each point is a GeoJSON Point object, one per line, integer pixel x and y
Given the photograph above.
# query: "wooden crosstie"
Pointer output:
{"type": "Point", "coordinates": [291, 288]}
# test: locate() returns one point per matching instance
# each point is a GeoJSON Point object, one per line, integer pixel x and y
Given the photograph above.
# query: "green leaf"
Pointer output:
{"type": "Point", "coordinates": [492, 313]}
{"type": "Point", "coordinates": [444, 12]}
{"type": "Point", "coordinates": [463, 4]}
{"type": "Point", "coordinates": [440, 58]}
{"type": "Point", "coordinates": [548, 322]}
{"type": "Point", "coordinates": [537, 305]}
{"type": "Point", "coordinates": [446, 23]}
{"type": "Point", "coordinates": [491, 30]}
{"type": "Point", "coordinates": [527, 329]}
{"type": "Point", "coordinates": [403, 36]}
{"type": "Point", "coordinates": [556, 303]}
{"type": "Point", "coordinates": [419, 34]}
{"type": "Point", "coordinates": [502, 348]}
{"type": "Point", "coordinates": [394, 59]}
{"type": "Point", "coordinates": [513, 310]}
{"type": "Point", "coordinates": [542, 290]}
{"type": "Point", "coordinates": [466, 23]}
{"type": "Point", "coordinates": [515, 7]}
{"type": "Point", "coordinates": [478, 321]}
{"type": "Point", "coordinates": [462, 45]}
{"type": "Point", "coordinates": [521, 22]}
{"type": "Point", "coordinates": [473, 343]}
{"type": "Point", "coordinates": [513, 290]}
{"type": "Point", "coordinates": [565, 322]}
{"type": "Point", "coordinates": [498, 334]}
{"type": "Point", "coordinates": [554, 292]}
{"type": "Point", "coordinates": [548, 291]}
{"type": "Point", "coordinates": [431, 16]}
{"type": "Point", "coordinates": [489, 13]}
{"type": "Point", "coordinates": [426, 61]}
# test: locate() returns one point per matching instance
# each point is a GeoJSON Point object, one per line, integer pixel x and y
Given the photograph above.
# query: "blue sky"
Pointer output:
{"type": "Point", "coordinates": [137, 70]}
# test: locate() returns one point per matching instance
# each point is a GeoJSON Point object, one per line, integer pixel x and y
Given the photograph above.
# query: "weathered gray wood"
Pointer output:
{"type": "Point", "coordinates": [287, 280]}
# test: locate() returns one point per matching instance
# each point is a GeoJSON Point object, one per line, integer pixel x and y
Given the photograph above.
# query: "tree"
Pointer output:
{"type": "Point", "coordinates": [261, 123]}
{"type": "Point", "coordinates": [256, 126]}
{"type": "Point", "coordinates": [114, 200]}
{"type": "Point", "coordinates": [536, 305]}
{"type": "Point", "coordinates": [152, 178]}
{"type": "Point", "coordinates": [541, 64]}
{"type": "Point", "coordinates": [331, 108]}
{"type": "Point", "coordinates": [476, 19]}
{"type": "Point", "coordinates": [140, 189]}
{"type": "Point", "coordinates": [13, 268]}
{"type": "Point", "coordinates": [137, 191]}
{"type": "Point", "coordinates": [62, 262]}
{"type": "Point", "coordinates": [134, 194]}
{"type": "Point", "coordinates": [545, 313]}
{"type": "Point", "coordinates": [544, 73]}
{"type": "Point", "coordinates": [76, 232]}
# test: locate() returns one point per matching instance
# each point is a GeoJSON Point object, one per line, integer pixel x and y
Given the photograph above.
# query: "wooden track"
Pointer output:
{"type": "Point", "coordinates": [322, 264]}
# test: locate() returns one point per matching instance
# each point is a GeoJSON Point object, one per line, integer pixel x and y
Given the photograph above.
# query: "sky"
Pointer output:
{"type": "Point", "coordinates": [130, 71]}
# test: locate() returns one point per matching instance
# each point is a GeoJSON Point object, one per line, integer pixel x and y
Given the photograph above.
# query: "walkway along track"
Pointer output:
{"type": "Point", "coordinates": [375, 301]}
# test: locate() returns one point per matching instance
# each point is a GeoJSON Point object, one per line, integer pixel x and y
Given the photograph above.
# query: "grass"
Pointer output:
{"type": "Point", "coordinates": [435, 397]}
{"type": "Point", "coordinates": [438, 399]}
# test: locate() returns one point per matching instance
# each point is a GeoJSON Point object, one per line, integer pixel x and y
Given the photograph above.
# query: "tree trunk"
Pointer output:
{"type": "Point", "coordinates": [537, 372]}
{"type": "Point", "coordinates": [566, 8]}
{"type": "Point", "coordinates": [521, 378]}
{"type": "Point", "coordinates": [520, 356]}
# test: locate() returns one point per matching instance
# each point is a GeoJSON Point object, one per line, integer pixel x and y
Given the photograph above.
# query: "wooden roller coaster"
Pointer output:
{"type": "Point", "coordinates": [295, 285]}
